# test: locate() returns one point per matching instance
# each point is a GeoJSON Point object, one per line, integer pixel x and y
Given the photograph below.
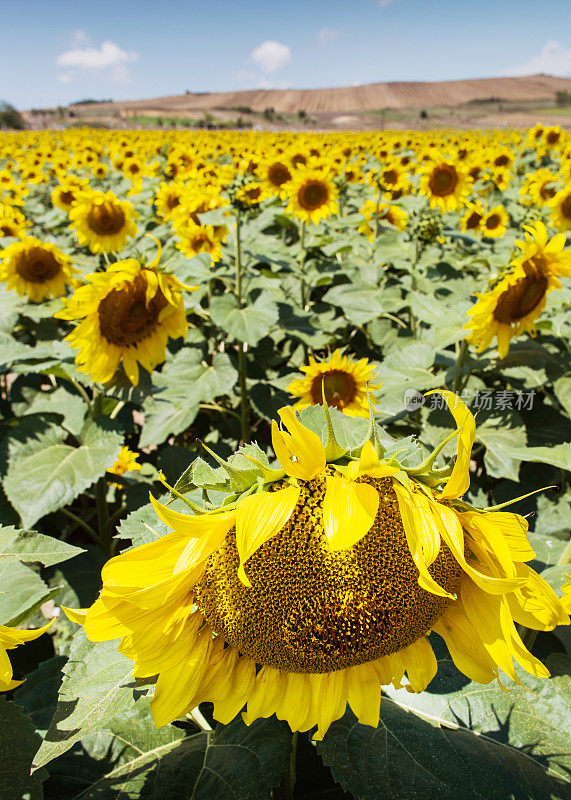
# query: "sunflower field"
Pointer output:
{"type": "Point", "coordinates": [285, 442]}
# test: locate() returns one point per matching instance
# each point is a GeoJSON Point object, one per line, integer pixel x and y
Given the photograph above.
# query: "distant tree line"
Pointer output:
{"type": "Point", "coordinates": [563, 98]}
{"type": "Point", "coordinates": [10, 117]}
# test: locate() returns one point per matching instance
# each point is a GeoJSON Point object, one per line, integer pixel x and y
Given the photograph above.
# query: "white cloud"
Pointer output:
{"type": "Point", "coordinates": [108, 55]}
{"type": "Point", "coordinates": [554, 59]}
{"type": "Point", "coordinates": [271, 56]}
{"type": "Point", "coordinates": [108, 61]}
{"type": "Point", "coordinates": [327, 35]}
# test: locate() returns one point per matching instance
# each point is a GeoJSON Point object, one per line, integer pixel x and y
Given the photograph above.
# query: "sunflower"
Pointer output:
{"type": "Point", "coordinates": [12, 222]}
{"type": "Point", "coordinates": [539, 187]}
{"type": "Point", "coordinates": [472, 217]}
{"type": "Point", "coordinates": [168, 197]}
{"type": "Point", "coordinates": [560, 206]}
{"type": "Point", "coordinates": [445, 184]}
{"type": "Point", "coordinates": [274, 173]}
{"type": "Point", "coordinates": [343, 380]}
{"type": "Point", "coordinates": [9, 639]}
{"type": "Point", "coordinates": [384, 212]}
{"type": "Point", "coordinates": [252, 193]}
{"type": "Point", "coordinates": [38, 269]}
{"type": "Point", "coordinates": [126, 462]}
{"type": "Point", "coordinates": [321, 582]}
{"type": "Point", "coordinates": [102, 222]}
{"type": "Point", "coordinates": [311, 195]}
{"type": "Point", "coordinates": [127, 314]}
{"type": "Point", "coordinates": [494, 223]}
{"type": "Point", "coordinates": [518, 299]}
{"type": "Point", "coordinates": [196, 239]}
{"type": "Point", "coordinates": [66, 194]}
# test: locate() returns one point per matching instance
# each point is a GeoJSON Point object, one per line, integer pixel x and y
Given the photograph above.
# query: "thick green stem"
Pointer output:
{"type": "Point", "coordinates": [286, 789]}
{"type": "Point", "coordinates": [458, 381]}
{"type": "Point", "coordinates": [105, 537]}
{"type": "Point", "coordinates": [81, 523]}
{"type": "Point", "coordinates": [301, 259]}
{"type": "Point", "coordinates": [242, 362]}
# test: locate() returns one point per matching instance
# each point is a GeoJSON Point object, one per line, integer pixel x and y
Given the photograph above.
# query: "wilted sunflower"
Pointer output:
{"type": "Point", "coordinates": [343, 380]}
{"type": "Point", "coordinates": [127, 314]}
{"type": "Point", "coordinates": [517, 300]}
{"type": "Point", "coordinates": [9, 639]}
{"type": "Point", "coordinates": [38, 269]}
{"type": "Point", "coordinates": [494, 223]}
{"type": "Point", "coordinates": [319, 581]}
{"type": "Point", "coordinates": [311, 195]}
{"type": "Point", "coordinates": [445, 183]}
{"type": "Point", "coordinates": [102, 222]}
{"type": "Point", "coordinates": [560, 206]}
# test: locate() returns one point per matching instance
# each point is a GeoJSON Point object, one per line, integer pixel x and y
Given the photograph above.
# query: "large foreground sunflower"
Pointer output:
{"type": "Point", "coordinates": [341, 379]}
{"type": "Point", "coordinates": [517, 300]}
{"type": "Point", "coordinates": [102, 222]}
{"type": "Point", "coordinates": [37, 269]}
{"type": "Point", "coordinates": [320, 580]}
{"type": "Point", "coordinates": [127, 314]}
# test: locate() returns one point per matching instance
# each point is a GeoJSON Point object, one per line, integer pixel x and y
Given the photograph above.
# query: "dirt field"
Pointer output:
{"type": "Point", "coordinates": [485, 102]}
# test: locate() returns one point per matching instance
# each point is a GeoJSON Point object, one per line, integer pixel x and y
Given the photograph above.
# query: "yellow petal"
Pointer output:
{"type": "Point", "coordinates": [330, 698]}
{"type": "Point", "coordinates": [535, 605]}
{"type": "Point", "coordinates": [260, 517]}
{"type": "Point", "coordinates": [194, 525]}
{"type": "Point", "coordinates": [300, 443]}
{"type": "Point", "coordinates": [243, 675]}
{"type": "Point", "coordinates": [513, 528]}
{"type": "Point", "coordinates": [349, 511]}
{"type": "Point", "coordinates": [420, 664]}
{"type": "Point", "coordinates": [369, 464]}
{"type": "Point", "coordinates": [419, 539]}
{"type": "Point", "coordinates": [364, 693]}
{"type": "Point", "coordinates": [292, 706]}
{"type": "Point", "coordinates": [76, 614]}
{"type": "Point", "coordinates": [265, 695]}
{"type": "Point", "coordinates": [459, 481]}
{"type": "Point", "coordinates": [176, 686]}
{"type": "Point", "coordinates": [464, 645]}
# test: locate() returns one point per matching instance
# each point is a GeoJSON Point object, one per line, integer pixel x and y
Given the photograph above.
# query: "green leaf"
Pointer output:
{"type": "Point", "coordinates": [22, 593]}
{"type": "Point", "coordinates": [44, 473]}
{"type": "Point", "coordinates": [532, 719]}
{"type": "Point", "coordinates": [407, 757]}
{"type": "Point", "coordinates": [495, 435]}
{"type": "Point", "coordinates": [249, 324]}
{"type": "Point", "coordinates": [558, 455]}
{"type": "Point", "coordinates": [38, 694]}
{"type": "Point", "coordinates": [562, 389]}
{"type": "Point", "coordinates": [30, 546]}
{"type": "Point", "coordinates": [97, 685]}
{"type": "Point", "coordinates": [239, 762]}
{"type": "Point", "coordinates": [70, 406]}
{"type": "Point", "coordinates": [18, 743]}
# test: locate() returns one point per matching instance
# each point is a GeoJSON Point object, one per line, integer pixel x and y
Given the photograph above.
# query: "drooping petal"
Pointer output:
{"type": "Point", "coordinates": [303, 445]}
{"type": "Point", "coordinates": [266, 693]}
{"type": "Point", "coordinates": [329, 692]}
{"type": "Point", "coordinates": [459, 481]}
{"type": "Point", "coordinates": [418, 538]}
{"type": "Point", "coordinates": [364, 693]}
{"type": "Point", "coordinates": [535, 605]}
{"type": "Point", "coordinates": [420, 664]}
{"type": "Point", "coordinates": [349, 511]}
{"type": "Point", "coordinates": [176, 686]}
{"type": "Point", "coordinates": [370, 464]}
{"type": "Point", "coordinates": [464, 645]}
{"type": "Point", "coordinates": [259, 517]}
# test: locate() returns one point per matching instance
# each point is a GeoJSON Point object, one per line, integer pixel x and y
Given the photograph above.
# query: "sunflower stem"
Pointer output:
{"type": "Point", "coordinates": [458, 383]}
{"type": "Point", "coordinates": [80, 523]}
{"type": "Point", "coordinates": [302, 254]}
{"type": "Point", "coordinates": [242, 365]}
{"type": "Point", "coordinates": [286, 788]}
{"type": "Point", "coordinates": [105, 538]}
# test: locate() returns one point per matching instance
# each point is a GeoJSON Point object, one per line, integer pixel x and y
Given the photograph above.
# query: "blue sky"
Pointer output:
{"type": "Point", "coordinates": [64, 50]}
